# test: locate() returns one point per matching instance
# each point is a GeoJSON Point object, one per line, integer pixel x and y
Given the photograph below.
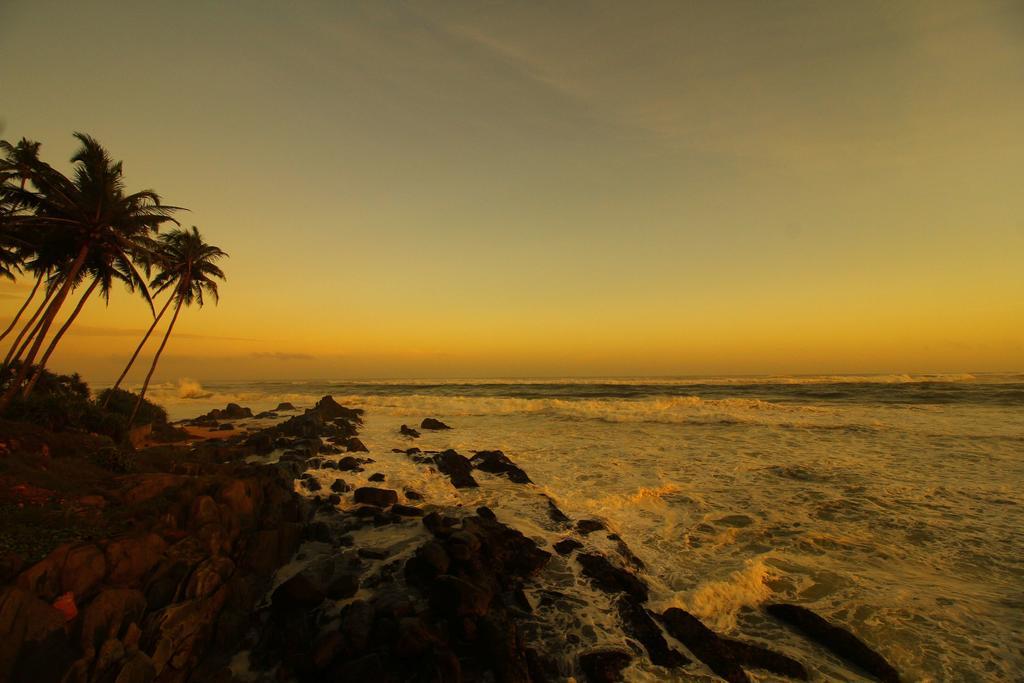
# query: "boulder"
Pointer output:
{"type": "Point", "coordinates": [354, 445]}
{"type": "Point", "coordinates": [406, 430]}
{"type": "Point", "coordinates": [340, 486]}
{"type": "Point", "coordinates": [34, 646]}
{"type": "Point", "coordinates": [567, 545]}
{"type": "Point", "coordinates": [357, 624]}
{"type": "Point", "coordinates": [178, 635]}
{"type": "Point", "coordinates": [455, 597]}
{"type": "Point", "coordinates": [298, 592]}
{"type": "Point", "coordinates": [611, 579]}
{"type": "Point", "coordinates": [458, 469]}
{"type": "Point", "coordinates": [376, 476]}
{"type": "Point", "coordinates": [329, 409]}
{"type": "Point", "coordinates": [724, 656]}
{"type": "Point", "coordinates": [350, 464]}
{"type": "Point", "coordinates": [588, 526]}
{"type": "Point", "coordinates": [432, 423]}
{"type": "Point", "coordinates": [284, 405]}
{"type": "Point", "coordinates": [406, 510]}
{"type": "Point", "coordinates": [345, 585]}
{"type": "Point", "coordinates": [367, 495]}
{"type": "Point", "coordinates": [129, 559]}
{"type": "Point", "coordinates": [836, 639]}
{"type": "Point", "coordinates": [556, 515]}
{"type": "Point", "coordinates": [496, 462]}
{"type": "Point", "coordinates": [413, 495]}
{"type": "Point", "coordinates": [109, 615]}
{"type": "Point", "coordinates": [604, 665]}
{"type": "Point", "coordinates": [638, 623]}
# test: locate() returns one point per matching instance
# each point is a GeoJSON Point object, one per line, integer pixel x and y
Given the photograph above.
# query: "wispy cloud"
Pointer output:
{"type": "Point", "coordinates": [93, 331]}
{"type": "Point", "coordinates": [281, 355]}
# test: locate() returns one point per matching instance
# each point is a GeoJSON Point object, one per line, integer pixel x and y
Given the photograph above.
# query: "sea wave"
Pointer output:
{"type": "Point", "coordinates": [717, 601]}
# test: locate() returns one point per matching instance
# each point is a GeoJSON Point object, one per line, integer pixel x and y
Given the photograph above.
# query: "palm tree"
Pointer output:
{"type": "Point", "coordinates": [108, 261]}
{"type": "Point", "coordinates": [138, 349]}
{"type": "Point", "coordinates": [79, 215]}
{"type": "Point", "coordinates": [17, 164]}
{"type": "Point", "coordinates": [188, 266]}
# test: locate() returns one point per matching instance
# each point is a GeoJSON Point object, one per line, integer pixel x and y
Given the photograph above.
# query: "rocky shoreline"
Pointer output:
{"type": "Point", "coordinates": [265, 555]}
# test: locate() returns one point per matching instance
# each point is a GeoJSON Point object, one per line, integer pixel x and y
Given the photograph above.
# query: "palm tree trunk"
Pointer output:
{"type": "Point", "coordinates": [56, 339]}
{"type": "Point", "coordinates": [18, 346]}
{"type": "Point", "coordinates": [48, 317]}
{"type": "Point", "coordinates": [138, 349]}
{"type": "Point", "coordinates": [17, 316]}
{"type": "Point", "coordinates": [156, 359]}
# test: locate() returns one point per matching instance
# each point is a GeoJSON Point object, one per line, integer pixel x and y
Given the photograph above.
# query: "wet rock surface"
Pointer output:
{"type": "Point", "coordinates": [496, 462]}
{"type": "Point", "coordinates": [836, 639]}
{"type": "Point", "coordinates": [725, 656]}
{"type": "Point", "coordinates": [458, 468]}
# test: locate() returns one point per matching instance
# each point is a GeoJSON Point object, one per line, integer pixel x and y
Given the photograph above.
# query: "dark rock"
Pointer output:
{"type": "Point", "coordinates": [431, 423]}
{"type": "Point", "coordinates": [439, 525]}
{"type": "Point", "coordinates": [284, 406]}
{"type": "Point", "coordinates": [266, 415]}
{"type": "Point", "coordinates": [406, 510]}
{"type": "Point", "coordinates": [611, 579]}
{"type": "Point", "coordinates": [604, 665]}
{"type": "Point", "coordinates": [458, 469]}
{"type": "Point", "coordinates": [340, 486]}
{"type": "Point", "coordinates": [429, 561]}
{"type": "Point", "coordinates": [501, 649]}
{"type": "Point", "coordinates": [639, 624]}
{"type": "Point", "coordinates": [129, 559]}
{"type": "Point", "coordinates": [412, 451]}
{"type": "Point", "coordinates": [343, 586]}
{"type": "Point", "coordinates": [376, 476]}
{"type": "Point", "coordinates": [356, 625]}
{"type": "Point", "coordinates": [367, 668]}
{"type": "Point", "coordinates": [406, 430]}
{"type": "Point", "coordinates": [368, 495]}
{"type": "Point", "coordinates": [311, 484]}
{"type": "Point", "coordinates": [496, 462]}
{"type": "Point", "coordinates": [555, 514]}
{"type": "Point", "coordinates": [334, 499]}
{"type": "Point", "coordinates": [413, 495]}
{"type": "Point", "coordinates": [587, 526]}
{"type": "Point", "coordinates": [626, 553]}
{"type": "Point", "coordinates": [109, 616]}
{"type": "Point", "coordinates": [724, 656]}
{"type": "Point", "coordinates": [327, 408]}
{"type": "Point", "coordinates": [232, 411]}
{"type": "Point", "coordinates": [486, 512]}
{"type": "Point", "coordinates": [455, 597]}
{"type": "Point", "coordinates": [354, 445]}
{"type": "Point", "coordinates": [414, 638]}
{"type": "Point", "coordinates": [34, 646]}
{"type": "Point", "coordinates": [350, 464]}
{"type": "Point", "coordinates": [567, 545]}
{"type": "Point", "coordinates": [373, 553]}
{"type": "Point", "coordinates": [836, 639]}
{"type": "Point", "coordinates": [225, 427]}
{"type": "Point", "coordinates": [297, 592]}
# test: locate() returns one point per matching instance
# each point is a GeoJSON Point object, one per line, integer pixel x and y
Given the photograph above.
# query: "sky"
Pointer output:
{"type": "Point", "coordinates": [473, 189]}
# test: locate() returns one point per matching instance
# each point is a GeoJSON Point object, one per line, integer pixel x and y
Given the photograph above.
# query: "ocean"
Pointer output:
{"type": "Point", "coordinates": [891, 504]}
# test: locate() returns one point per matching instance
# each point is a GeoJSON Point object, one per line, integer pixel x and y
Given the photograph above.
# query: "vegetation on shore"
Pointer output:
{"type": "Point", "coordinates": [81, 234]}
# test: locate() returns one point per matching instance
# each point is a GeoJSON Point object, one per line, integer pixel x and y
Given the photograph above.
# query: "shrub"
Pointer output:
{"type": "Point", "coordinates": [114, 459]}
{"type": "Point", "coordinates": [123, 402]}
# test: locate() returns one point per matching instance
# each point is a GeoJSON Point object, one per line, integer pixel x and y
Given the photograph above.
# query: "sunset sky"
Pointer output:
{"type": "Point", "coordinates": [423, 189]}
